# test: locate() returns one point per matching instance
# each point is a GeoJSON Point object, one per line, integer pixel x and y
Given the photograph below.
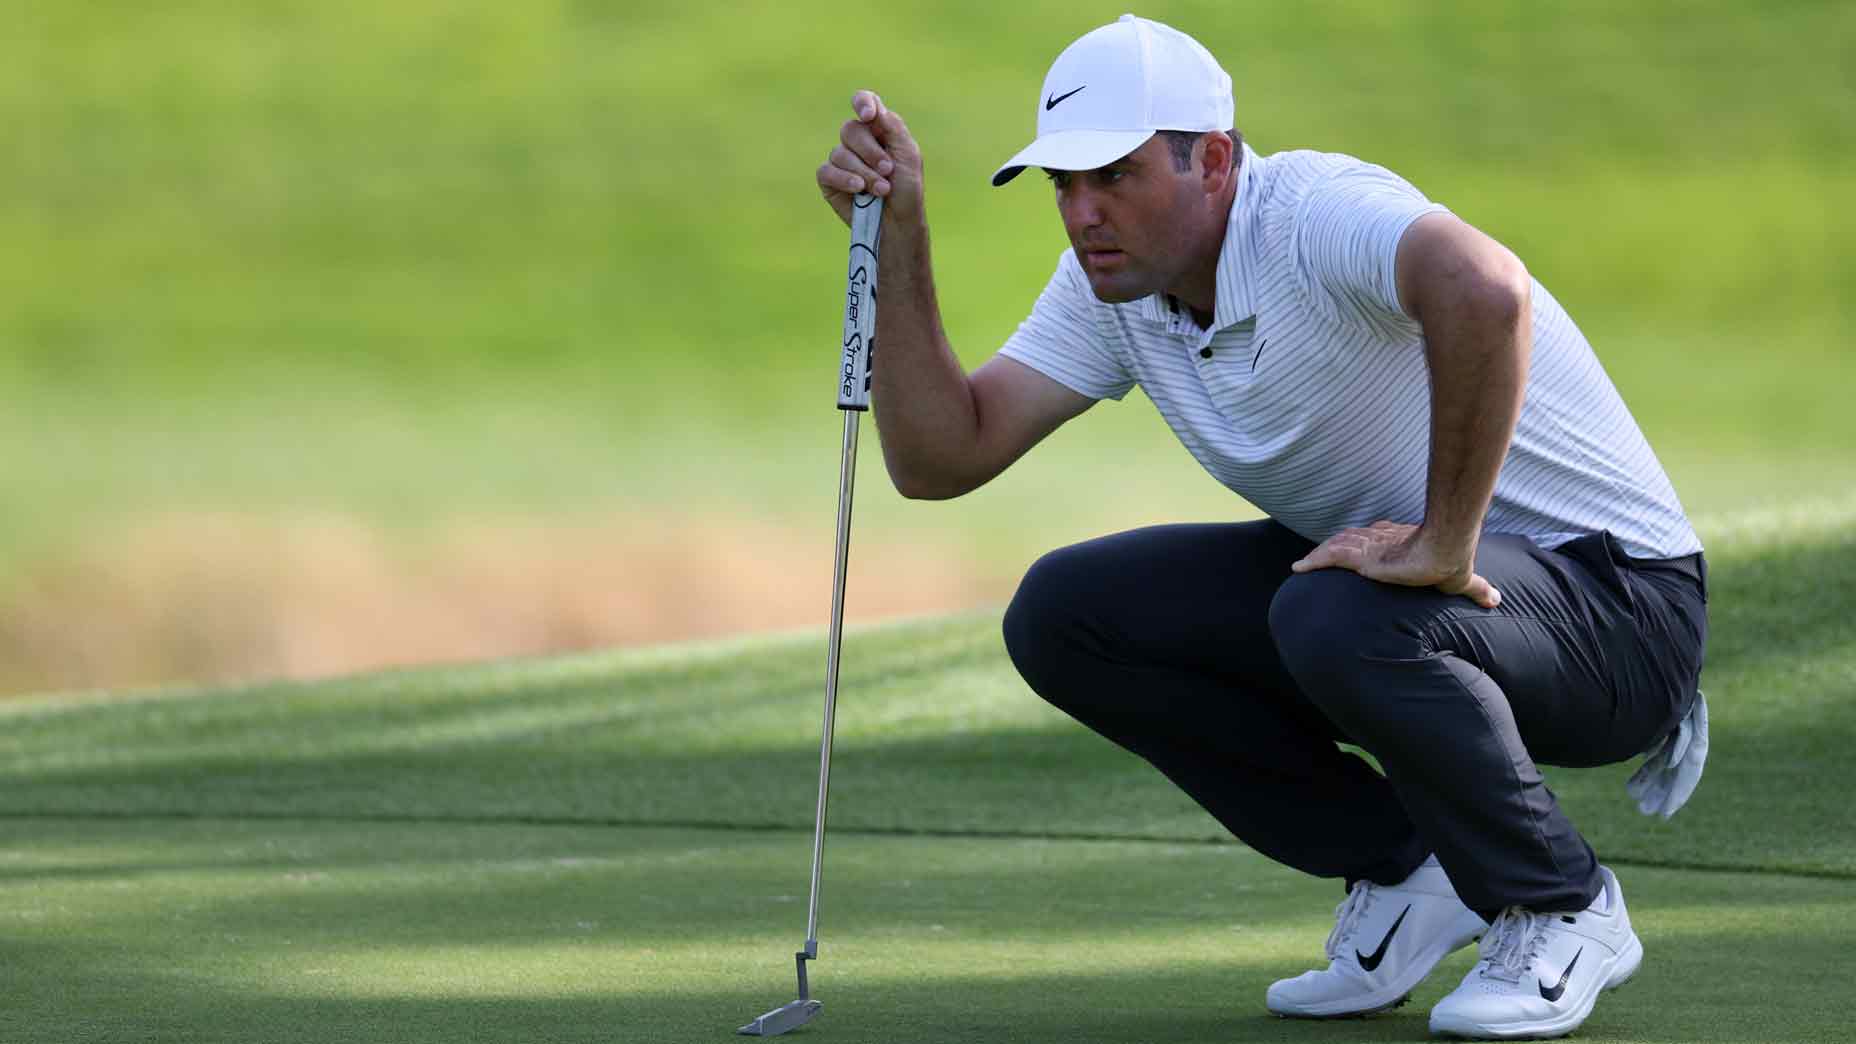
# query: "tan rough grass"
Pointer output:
{"type": "Point", "coordinates": [218, 597]}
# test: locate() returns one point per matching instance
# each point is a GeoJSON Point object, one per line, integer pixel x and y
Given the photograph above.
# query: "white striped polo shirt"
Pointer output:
{"type": "Point", "coordinates": [1309, 396]}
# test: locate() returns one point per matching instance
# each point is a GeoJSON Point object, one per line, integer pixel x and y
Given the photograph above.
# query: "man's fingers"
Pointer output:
{"type": "Point", "coordinates": [868, 105]}
{"type": "Point", "coordinates": [873, 114]}
{"type": "Point", "coordinates": [831, 186]}
{"type": "Point", "coordinates": [1482, 592]}
{"type": "Point", "coordinates": [1338, 550]}
{"type": "Point", "coordinates": [858, 139]}
{"type": "Point", "coordinates": [838, 185]}
{"type": "Point", "coordinates": [887, 127]}
{"type": "Point", "coordinates": [854, 175]}
{"type": "Point", "coordinates": [893, 131]}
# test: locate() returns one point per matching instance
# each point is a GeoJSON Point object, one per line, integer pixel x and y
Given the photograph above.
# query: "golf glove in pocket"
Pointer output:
{"type": "Point", "coordinates": [1668, 776]}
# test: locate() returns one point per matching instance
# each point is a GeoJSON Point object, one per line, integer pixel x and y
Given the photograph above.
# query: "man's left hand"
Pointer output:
{"type": "Point", "coordinates": [1396, 553]}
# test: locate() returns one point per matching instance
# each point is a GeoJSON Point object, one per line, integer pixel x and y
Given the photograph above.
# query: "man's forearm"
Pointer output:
{"type": "Point", "coordinates": [1478, 339]}
{"type": "Point", "coordinates": [924, 405]}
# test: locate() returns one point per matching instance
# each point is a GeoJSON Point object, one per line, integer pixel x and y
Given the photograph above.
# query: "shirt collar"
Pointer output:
{"type": "Point", "coordinates": [1237, 260]}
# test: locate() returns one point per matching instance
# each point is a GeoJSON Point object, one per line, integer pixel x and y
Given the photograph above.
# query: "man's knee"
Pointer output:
{"type": "Point", "coordinates": [1332, 629]}
{"type": "Point", "coordinates": [1040, 613]}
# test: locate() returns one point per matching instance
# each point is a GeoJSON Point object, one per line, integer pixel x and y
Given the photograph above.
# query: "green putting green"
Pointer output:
{"type": "Point", "coordinates": [615, 847]}
{"type": "Point", "coordinates": [325, 931]}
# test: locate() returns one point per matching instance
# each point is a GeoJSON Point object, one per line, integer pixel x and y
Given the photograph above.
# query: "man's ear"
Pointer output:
{"type": "Point", "coordinates": [1215, 161]}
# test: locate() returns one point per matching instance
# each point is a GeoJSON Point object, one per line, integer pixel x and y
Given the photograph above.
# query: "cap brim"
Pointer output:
{"type": "Point", "coordinates": [1073, 150]}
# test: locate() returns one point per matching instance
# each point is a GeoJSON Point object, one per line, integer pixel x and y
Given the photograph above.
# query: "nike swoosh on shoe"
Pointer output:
{"type": "Point", "coordinates": [1554, 993]}
{"type": "Point", "coordinates": [1370, 962]}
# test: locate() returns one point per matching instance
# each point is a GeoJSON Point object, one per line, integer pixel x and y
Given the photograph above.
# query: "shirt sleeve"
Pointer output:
{"type": "Point", "coordinates": [1346, 235]}
{"type": "Point", "coordinates": [1062, 339]}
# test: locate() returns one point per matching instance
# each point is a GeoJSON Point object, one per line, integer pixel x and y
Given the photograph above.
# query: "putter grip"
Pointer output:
{"type": "Point", "coordinates": [859, 345]}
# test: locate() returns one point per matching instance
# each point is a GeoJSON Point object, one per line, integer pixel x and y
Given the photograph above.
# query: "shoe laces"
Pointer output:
{"type": "Point", "coordinates": [1512, 942]}
{"type": "Point", "coordinates": [1347, 915]}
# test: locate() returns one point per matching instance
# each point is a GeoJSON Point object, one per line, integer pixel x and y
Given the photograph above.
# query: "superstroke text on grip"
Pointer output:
{"type": "Point", "coordinates": [858, 347]}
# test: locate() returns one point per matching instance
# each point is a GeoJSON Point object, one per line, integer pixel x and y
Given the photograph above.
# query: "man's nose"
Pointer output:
{"type": "Point", "coordinates": [1079, 206]}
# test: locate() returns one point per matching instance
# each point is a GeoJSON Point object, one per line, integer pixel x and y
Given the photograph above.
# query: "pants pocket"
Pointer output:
{"type": "Point", "coordinates": [1601, 557]}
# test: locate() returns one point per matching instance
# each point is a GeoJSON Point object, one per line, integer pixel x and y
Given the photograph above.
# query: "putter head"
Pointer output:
{"type": "Point", "coordinates": [786, 1017]}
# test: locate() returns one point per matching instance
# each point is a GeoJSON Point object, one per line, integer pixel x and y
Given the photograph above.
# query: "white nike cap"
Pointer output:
{"type": "Point", "coordinates": [1114, 87]}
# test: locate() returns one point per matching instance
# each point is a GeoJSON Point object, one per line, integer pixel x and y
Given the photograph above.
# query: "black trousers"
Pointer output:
{"type": "Point", "coordinates": [1195, 647]}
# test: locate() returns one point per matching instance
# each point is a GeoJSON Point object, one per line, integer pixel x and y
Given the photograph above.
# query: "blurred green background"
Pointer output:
{"type": "Point", "coordinates": [344, 334]}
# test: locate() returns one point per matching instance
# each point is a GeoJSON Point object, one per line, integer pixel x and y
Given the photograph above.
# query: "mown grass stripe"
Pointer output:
{"type": "Point", "coordinates": [1084, 836]}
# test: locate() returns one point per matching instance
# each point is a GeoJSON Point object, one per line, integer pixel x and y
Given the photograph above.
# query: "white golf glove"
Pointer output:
{"type": "Point", "coordinates": [1668, 776]}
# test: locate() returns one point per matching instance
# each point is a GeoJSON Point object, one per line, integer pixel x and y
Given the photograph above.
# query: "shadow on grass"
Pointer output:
{"type": "Point", "coordinates": [576, 934]}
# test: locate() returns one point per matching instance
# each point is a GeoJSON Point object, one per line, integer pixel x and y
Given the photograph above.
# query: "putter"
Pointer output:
{"type": "Point", "coordinates": [853, 399]}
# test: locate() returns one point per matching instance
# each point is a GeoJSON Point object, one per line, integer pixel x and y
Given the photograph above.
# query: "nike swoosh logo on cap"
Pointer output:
{"type": "Point", "coordinates": [1554, 993]}
{"type": "Point", "coordinates": [1371, 961]}
{"type": "Point", "coordinates": [1051, 103]}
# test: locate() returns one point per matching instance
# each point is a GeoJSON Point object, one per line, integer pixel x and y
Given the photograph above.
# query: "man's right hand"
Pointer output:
{"type": "Point", "coordinates": [943, 432]}
{"type": "Point", "coordinates": [875, 154]}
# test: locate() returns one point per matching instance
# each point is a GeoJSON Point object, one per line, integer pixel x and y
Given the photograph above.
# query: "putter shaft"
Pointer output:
{"type": "Point", "coordinates": [847, 483]}
{"type": "Point", "coordinates": [797, 1013]}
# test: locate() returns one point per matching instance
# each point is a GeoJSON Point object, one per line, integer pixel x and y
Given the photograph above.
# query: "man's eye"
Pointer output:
{"type": "Point", "coordinates": [1113, 174]}
{"type": "Point", "coordinates": [1059, 178]}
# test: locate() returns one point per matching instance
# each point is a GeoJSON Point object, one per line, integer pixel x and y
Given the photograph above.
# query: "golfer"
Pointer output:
{"type": "Point", "coordinates": [1472, 564]}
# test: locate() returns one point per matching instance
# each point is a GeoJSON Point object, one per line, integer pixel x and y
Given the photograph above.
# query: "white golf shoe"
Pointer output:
{"type": "Point", "coordinates": [1386, 939]}
{"type": "Point", "coordinates": [1540, 973]}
